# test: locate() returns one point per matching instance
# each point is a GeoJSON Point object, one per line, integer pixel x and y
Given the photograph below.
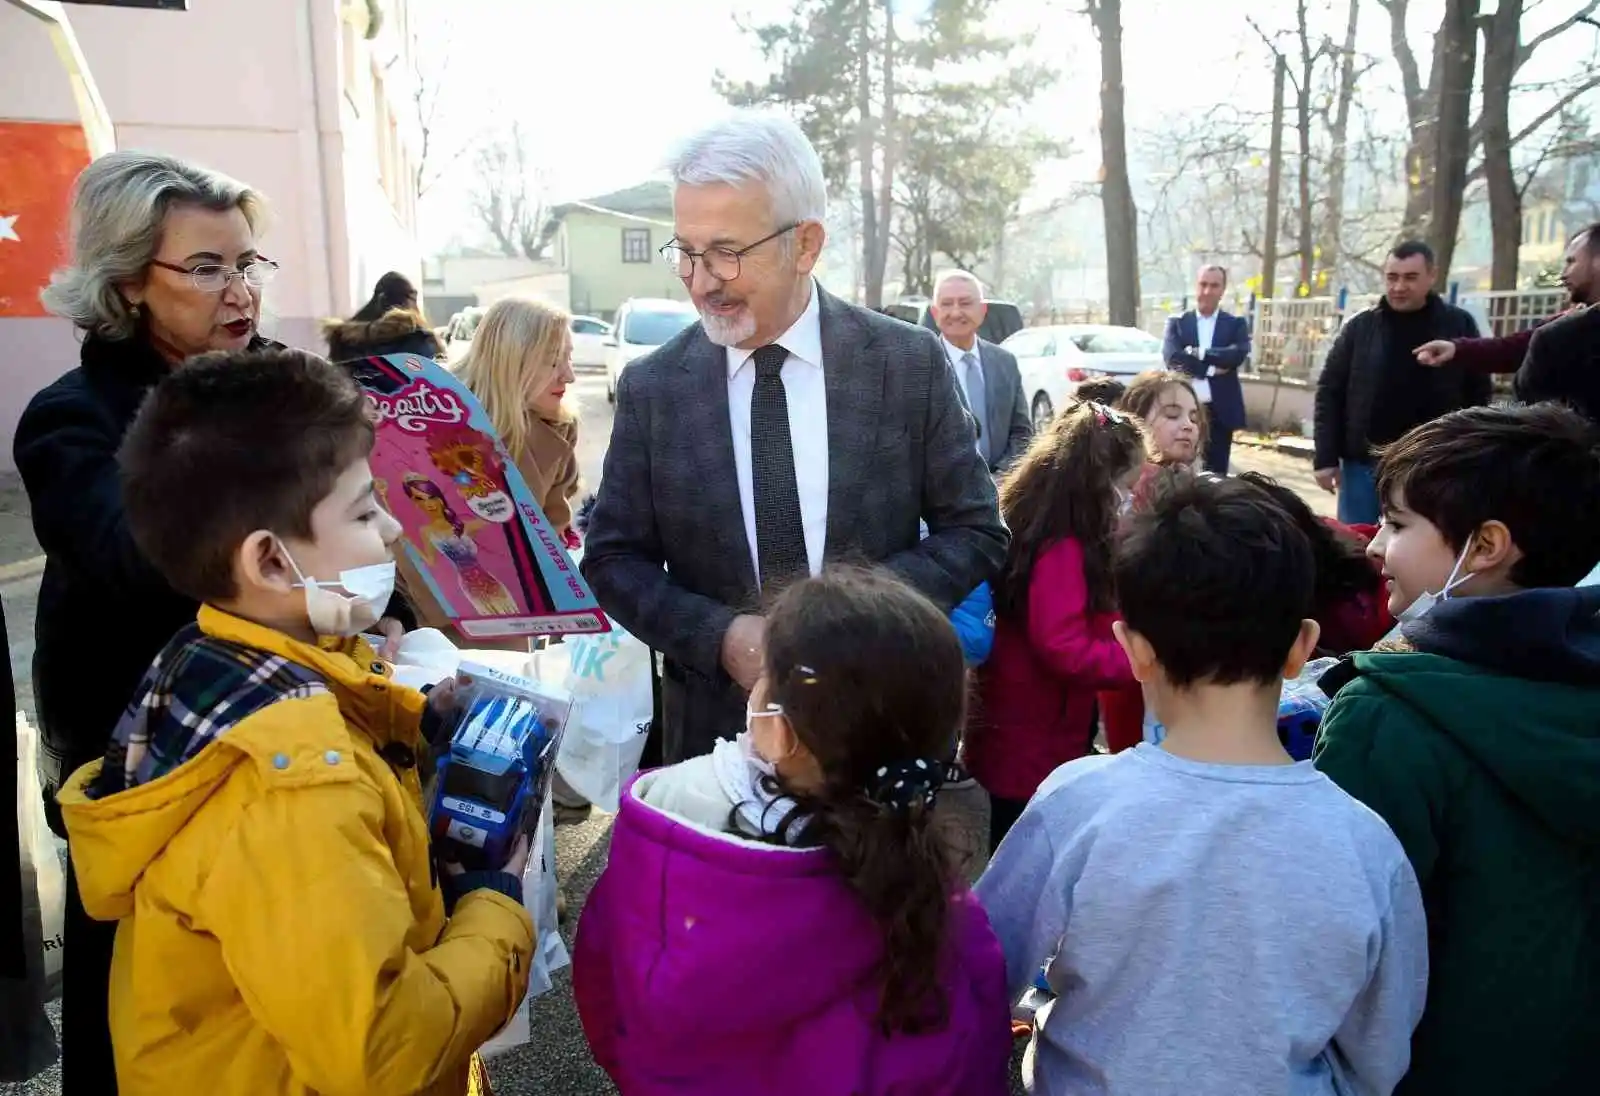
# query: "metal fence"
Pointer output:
{"type": "Point", "coordinates": [1292, 336]}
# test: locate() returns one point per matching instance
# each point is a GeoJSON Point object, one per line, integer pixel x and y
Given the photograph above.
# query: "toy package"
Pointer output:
{"type": "Point", "coordinates": [493, 781]}
{"type": "Point", "coordinates": [471, 527]}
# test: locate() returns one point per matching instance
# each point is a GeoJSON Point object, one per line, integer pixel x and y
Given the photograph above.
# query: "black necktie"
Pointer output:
{"type": "Point", "coordinates": [780, 534]}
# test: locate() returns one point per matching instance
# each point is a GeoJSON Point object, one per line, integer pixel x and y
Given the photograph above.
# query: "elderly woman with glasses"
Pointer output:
{"type": "Point", "coordinates": [164, 265]}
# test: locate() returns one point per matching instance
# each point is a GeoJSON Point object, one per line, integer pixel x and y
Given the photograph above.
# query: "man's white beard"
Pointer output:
{"type": "Point", "coordinates": [729, 330]}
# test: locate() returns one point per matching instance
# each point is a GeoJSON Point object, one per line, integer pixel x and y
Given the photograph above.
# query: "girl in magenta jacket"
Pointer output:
{"type": "Point", "coordinates": [1053, 647]}
{"type": "Point", "coordinates": [780, 916]}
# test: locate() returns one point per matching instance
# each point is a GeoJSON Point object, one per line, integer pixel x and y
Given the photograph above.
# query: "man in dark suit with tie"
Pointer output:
{"type": "Point", "coordinates": [991, 382]}
{"type": "Point", "coordinates": [785, 430]}
{"type": "Point", "coordinates": [1210, 345]}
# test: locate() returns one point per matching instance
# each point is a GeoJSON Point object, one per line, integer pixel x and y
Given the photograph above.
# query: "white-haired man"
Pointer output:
{"type": "Point", "coordinates": [989, 376]}
{"type": "Point", "coordinates": [785, 430]}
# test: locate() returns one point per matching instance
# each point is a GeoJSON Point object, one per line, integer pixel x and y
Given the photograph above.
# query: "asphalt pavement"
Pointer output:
{"type": "Point", "coordinates": [556, 1062]}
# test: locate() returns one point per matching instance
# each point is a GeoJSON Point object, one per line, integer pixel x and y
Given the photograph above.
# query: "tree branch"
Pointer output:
{"type": "Point", "coordinates": [1527, 51]}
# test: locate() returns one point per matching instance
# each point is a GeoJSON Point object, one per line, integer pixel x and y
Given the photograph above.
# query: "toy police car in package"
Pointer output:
{"type": "Point", "coordinates": [491, 785]}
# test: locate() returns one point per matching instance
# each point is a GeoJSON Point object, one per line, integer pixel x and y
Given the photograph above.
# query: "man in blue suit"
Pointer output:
{"type": "Point", "coordinates": [1210, 345]}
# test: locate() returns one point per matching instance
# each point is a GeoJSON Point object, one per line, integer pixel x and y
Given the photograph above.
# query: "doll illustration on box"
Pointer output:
{"type": "Point", "coordinates": [445, 534]}
{"type": "Point", "coordinates": [474, 466]}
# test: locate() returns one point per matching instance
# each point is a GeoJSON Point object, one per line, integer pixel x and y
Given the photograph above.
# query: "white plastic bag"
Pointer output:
{"type": "Point", "coordinates": [44, 882]}
{"type": "Point", "coordinates": [549, 950]}
{"type": "Point", "coordinates": [608, 676]}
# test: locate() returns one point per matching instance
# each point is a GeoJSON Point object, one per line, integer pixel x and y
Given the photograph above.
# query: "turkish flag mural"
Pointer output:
{"type": "Point", "coordinates": [38, 163]}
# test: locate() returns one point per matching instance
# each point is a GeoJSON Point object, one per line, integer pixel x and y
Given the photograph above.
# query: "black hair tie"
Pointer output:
{"type": "Point", "coordinates": [902, 785]}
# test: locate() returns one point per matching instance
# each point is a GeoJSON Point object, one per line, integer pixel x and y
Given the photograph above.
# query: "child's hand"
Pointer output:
{"type": "Point", "coordinates": [444, 700]}
{"type": "Point", "coordinates": [517, 863]}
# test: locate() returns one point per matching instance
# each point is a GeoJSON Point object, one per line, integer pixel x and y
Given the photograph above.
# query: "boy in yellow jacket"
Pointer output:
{"type": "Point", "coordinates": [256, 826]}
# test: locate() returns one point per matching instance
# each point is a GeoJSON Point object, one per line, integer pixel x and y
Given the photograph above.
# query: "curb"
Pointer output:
{"type": "Point", "coordinates": [22, 569]}
{"type": "Point", "coordinates": [1287, 444]}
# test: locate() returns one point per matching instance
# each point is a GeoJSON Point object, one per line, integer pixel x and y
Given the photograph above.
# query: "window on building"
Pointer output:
{"type": "Point", "coordinates": [636, 245]}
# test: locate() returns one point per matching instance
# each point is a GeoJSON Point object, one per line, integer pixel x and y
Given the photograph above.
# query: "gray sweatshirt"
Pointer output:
{"type": "Point", "coordinates": [1211, 930]}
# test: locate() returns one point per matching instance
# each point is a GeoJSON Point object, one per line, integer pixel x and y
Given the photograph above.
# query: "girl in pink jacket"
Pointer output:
{"type": "Point", "coordinates": [781, 916]}
{"type": "Point", "coordinates": [1053, 647]}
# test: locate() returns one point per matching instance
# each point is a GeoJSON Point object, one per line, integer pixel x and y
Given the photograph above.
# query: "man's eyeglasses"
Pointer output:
{"type": "Point", "coordinates": [211, 278]}
{"type": "Point", "coordinates": [722, 263]}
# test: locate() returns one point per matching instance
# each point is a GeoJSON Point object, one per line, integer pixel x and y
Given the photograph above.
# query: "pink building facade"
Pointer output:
{"type": "Point", "coordinates": [309, 101]}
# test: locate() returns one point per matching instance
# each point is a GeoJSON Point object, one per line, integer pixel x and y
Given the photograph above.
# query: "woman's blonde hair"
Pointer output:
{"type": "Point", "coordinates": [119, 205]}
{"type": "Point", "coordinates": [514, 353]}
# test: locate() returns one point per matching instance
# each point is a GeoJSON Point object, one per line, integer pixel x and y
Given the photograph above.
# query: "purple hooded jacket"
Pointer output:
{"type": "Point", "coordinates": [712, 965]}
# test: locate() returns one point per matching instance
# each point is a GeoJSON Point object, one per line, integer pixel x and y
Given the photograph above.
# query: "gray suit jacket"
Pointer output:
{"type": "Point", "coordinates": [666, 553]}
{"type": "Point", "coordinates": [1006, 419]}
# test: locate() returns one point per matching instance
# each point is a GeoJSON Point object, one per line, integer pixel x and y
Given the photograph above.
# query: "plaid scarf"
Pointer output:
{"type": "Point", "coordinates": [195, 691]}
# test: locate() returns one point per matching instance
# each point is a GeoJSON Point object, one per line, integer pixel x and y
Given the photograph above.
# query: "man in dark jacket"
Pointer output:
{"type": "Point", "coordinates": [1476, 735]}
{"type": "Point", "coordinates": [1372, 388]}
{"type": "Point", "coordinates": [1557, 360]}
{"type": "Point", "coordinates": [1211, 345]}
{"type": "Point", "coordinates": [1580, 276]}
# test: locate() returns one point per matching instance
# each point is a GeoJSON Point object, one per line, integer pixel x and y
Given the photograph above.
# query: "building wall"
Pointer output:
{"type": "Point", "coordinates": [256, 89]}
{"type": "Point", "coordinates": [590, 246]}
{"type": "Point", "coordinates": [553, 287]}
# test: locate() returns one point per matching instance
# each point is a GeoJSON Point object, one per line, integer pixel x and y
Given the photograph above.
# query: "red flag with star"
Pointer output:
{"type": "Point", "coordinates": [38, 162]}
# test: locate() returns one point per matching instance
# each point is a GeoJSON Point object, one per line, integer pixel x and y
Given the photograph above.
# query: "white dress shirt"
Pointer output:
{"type": "Point", "coordinates": [807, 398]}
{"type": "Point", "coordinates": [955, 354]}
{"type": "Point", "coordinates": [1205, 331]}
{"type": "Point", "coordinates": [1205, 328]}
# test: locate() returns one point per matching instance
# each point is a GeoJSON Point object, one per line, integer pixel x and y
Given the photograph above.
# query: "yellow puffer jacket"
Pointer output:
{"type": "Point", "coordinates": [281, 931]}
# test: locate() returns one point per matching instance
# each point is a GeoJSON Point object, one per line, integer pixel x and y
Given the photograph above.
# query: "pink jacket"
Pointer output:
{"type": "Point", "coordinates": [709, 964]}
{"type": "Point", "coordinates": [1036, 692]}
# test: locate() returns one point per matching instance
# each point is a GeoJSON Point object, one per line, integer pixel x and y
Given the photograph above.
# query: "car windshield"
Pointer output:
{"type": "Point", "coordinates": [1119, 342]}
{"type": "Point", "coordinates": [655, 328]}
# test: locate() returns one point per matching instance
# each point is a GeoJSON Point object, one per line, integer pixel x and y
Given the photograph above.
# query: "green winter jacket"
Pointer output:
{"type": "Point", "coordinates": [1481, 749]}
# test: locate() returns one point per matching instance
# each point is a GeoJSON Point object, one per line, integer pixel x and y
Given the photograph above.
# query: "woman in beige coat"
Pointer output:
{"type": "Point", "coordinates": [519, 367]}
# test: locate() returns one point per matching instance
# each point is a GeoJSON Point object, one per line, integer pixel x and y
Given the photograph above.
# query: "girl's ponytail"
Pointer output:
{"type": "Point", "coordinates": [894, 858]}
{"type": "Point", "coordinates": [870, 676]}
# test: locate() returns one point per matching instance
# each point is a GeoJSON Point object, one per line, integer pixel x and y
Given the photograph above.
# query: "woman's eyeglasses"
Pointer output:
{"type": "Point", "coordinates": [212, 278]}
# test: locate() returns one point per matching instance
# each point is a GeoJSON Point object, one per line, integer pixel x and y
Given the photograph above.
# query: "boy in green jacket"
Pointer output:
{"type": "Point", "coordinates": [1476, 735]}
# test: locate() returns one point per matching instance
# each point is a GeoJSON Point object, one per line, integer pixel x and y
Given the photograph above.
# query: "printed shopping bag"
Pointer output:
{"type": "Point", "coordinates": [549, 950]}
{"type": "Point", "coordinates": [608, 676]}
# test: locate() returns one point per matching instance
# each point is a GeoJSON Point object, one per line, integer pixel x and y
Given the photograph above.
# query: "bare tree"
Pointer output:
{"type": "Point", "coordinates": [1424, 101]}
{"type": "Point", "coordinates": [439, 152]}
{"type": "Point", "coordinates": [1116, 190]}
{"type": "Point", "coordinates": [1455, 61]}
{"type": "Point", "coordinates": [508, 196]}
{"type": "Point", "coordinates": [1503, 54]}
{"type": "Point", "coordinates": [1339, 141]}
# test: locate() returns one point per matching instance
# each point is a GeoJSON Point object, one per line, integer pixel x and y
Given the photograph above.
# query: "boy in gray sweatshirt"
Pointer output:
{"type": "Point", "coordinates": [1215, 919]}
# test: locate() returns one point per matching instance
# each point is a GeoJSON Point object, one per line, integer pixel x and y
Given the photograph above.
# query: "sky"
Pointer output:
{"type": "Point", "coordinates": [604, 88]}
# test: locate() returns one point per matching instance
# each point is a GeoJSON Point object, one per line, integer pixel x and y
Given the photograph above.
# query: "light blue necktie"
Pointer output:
{"type": "Point", "coordinates": [980, 405]}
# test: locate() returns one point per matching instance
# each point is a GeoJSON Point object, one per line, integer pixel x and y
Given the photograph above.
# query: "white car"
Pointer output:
{"type": "Point", "coordinates": [589, 337]}
{"type": "Point", "coordinates": [643, 323]}
{"type": "Point", "coordinates": [462, 326]}
{"type": "Point", "coordinates": [1054, 360]}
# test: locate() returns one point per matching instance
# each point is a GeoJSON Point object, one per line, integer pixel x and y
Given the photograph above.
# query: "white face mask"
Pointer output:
{"type": "Point", "coordinates": [330, 614]}
{"type": "Point", "coordinates": [748, 739]}
{"type": "Point", "coordinates": [1427, 599]}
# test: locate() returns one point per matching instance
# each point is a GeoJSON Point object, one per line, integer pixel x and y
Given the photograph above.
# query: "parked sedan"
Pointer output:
{"type": "Point", "coordinates": [589, 337]}
{"type": "Point", "coordinates": [1054, 360]}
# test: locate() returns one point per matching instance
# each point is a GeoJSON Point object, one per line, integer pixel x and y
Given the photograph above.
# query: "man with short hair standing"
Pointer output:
{"type": "Point", "coordinates": [990, 380]}
{"type": "Point", "coordinates": [1210, 345]}
{"type": "Point", "coordinates": [1372, 389]}
{"type": "Point", "coordinates": [1552, 360]}
{"type": "Point", "coordinates": [786, 430]}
